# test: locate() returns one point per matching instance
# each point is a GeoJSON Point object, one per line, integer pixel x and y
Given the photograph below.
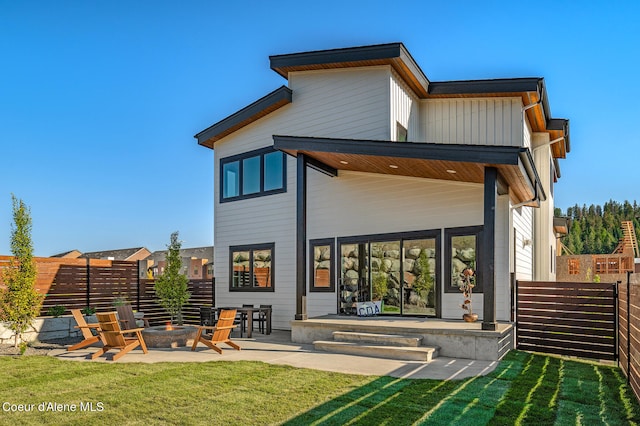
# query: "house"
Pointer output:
{"type": "Point", "coordinates": [71, 254]}
{"type": "Point", "coordinates": [363, 180]}
{"type": "Point", "coordinates": [197, 263]}
{"type": "Point", "coordinates": [608, 268]}
{"type": "Point", "coordinates": [130, 254]}
{"type": "Point", "coordinates": [136, 253]}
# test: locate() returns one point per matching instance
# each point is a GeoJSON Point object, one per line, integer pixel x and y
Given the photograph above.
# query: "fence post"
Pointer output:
{"type": "Point", "coordinates": [616, 309]}
{"type": "Point", "coordinates": [138, 286]}
{"type": "Point", "coordinates": [88, 282]}
{"type": "Point", "coordinates": [628, 327]}
{"type": "Point", "coordinates": [213, 291]}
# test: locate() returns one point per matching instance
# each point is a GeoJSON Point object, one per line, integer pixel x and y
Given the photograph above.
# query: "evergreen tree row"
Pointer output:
{"type": "Point", "coordinates": [596, 229]}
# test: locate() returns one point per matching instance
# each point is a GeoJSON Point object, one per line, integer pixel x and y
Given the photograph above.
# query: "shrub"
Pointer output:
{"type": "Point", "coordinates": [55, 311]}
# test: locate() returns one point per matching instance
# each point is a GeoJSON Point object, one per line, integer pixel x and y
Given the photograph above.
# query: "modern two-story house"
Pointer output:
{"type": "Point", "coordinates": [362, 180]}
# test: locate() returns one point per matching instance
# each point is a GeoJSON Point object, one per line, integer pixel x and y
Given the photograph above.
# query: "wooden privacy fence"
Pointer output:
{"type": "Point", "coordinates": [77, 283]}
{"type": "Point", "coordinates": [629, 331]}
{"type": "Point", "coordinates": [578, 319]}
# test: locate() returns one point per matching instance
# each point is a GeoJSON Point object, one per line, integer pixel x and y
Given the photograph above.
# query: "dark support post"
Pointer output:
{"type": "Point", "coordinates": [301, 237]}
{"type": "Point", "coordinates": [88, 282]}
{"type": "Point", "coordinates": [488, 248]}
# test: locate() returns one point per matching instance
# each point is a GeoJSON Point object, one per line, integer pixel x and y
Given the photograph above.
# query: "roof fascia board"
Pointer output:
{"type": "Point", "coordinates": [250, 113]}
{"type": "Point", "coordinates": [383, 53]}
{"type": "Point", "coordinates": [505, 85]}
{"type": "Point", "coordinates": [563, 125]}
{"type": "Point", "coordinates": [426, 151]}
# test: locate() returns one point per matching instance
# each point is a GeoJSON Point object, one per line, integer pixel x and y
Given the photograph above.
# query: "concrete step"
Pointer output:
{"type": "Point", "coordinates": [378, 339]}
{"type": "Point", "coordinates": [421, 353]}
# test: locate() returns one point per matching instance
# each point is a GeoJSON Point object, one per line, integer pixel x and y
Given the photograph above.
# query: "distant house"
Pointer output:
{"type": "Point", "coordinates": [363, 180]}
{"type": "Point", "coordinates": [603, 267]}
{"type": "Point", "coordinates": [137, 253]}
{"type": "Point", "coordinates": [197, 263]}
{"type": "Point", "coordinates": [73, 254]}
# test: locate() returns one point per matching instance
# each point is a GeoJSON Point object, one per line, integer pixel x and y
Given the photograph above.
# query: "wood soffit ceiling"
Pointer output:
{"type": "Point", "coordinates": [514, 175]}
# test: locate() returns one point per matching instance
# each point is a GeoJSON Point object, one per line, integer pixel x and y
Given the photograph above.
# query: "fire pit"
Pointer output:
{"type": "Point", "coordinates": [169, 336]}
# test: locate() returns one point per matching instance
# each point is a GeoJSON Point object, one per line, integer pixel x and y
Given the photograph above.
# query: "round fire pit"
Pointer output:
{"type": "Point", "coordinates": [161, 337]}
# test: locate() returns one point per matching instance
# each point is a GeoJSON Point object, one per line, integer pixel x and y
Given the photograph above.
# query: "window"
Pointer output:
{"type": "Point", "coordinates": [322, 265]}
{"type": "Point", "coordinates": [401, 133]}
{"type": "Point", "coordinates": [252, 174]}
{"type": "Point", "coordinates": [251, 267]}
{"type": "Point", "coordinates": [462, 251]}
{"type": "Point", "coordinates": [574, 266]}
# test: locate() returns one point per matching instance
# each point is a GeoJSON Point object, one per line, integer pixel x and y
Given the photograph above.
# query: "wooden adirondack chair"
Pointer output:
{"type": "Point", "coordinates": [89, 338]}
{"type": "Point", "coordinates": [220, 332]}
{"type": "Point", "coordinates": [114, 337]}
{"type": "Point", "coordinates": [127, 318]}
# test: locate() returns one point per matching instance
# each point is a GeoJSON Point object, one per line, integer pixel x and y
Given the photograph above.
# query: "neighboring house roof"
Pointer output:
{"type": "Point", "coordinates": [531, 90]}
{"type": "Point", "coordinates": [136, 253]}
{"type": "Point", "coordinates": [195, 252]}
{"type": "Point", "coordinates": [71, 254]}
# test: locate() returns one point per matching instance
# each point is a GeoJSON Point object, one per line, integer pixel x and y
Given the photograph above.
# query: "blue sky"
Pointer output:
{"type": "Point", "coordinates": [99, 101]}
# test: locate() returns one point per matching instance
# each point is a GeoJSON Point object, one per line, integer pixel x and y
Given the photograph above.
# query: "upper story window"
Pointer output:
{"type": "Point", "coordinates": [252, 174]}
{"type": "Point", "coordinates": [401, 133]}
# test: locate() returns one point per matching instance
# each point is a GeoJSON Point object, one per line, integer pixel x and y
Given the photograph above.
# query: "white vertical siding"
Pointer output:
{"type": "Point", "coordinates": [502, 270]}
{"type": "Point", "coordinates": [404, 109]}
{"type": "Point", "coordinates": [345, 103]}
{"type": "Point", "coordinates": [482, 121]}
{"type": "Point", "coordinates": [545, 241]}
{"type": "Point", "coordinates": [523, 228]}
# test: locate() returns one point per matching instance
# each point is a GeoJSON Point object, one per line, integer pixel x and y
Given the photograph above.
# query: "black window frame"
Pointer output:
{"type": "Point", "coordinates": [251, 248]}
{"type": "Point", "coordinates": [240, 159]}
{"type": "Point", "coordinates": [331, 242]}
{"type": "Point", "coordinates": [462, 231]}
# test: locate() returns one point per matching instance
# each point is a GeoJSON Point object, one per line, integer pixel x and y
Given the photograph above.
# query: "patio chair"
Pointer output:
{"type": "Point", "coordinates": [114, 337]}
{"type": "Point", "coordinates": [128, 319]}
{"type": "Point", "coordinates": [262, 318]}
{"type": "Point", "coordinates": [89, 337]}
{"type": "Point", "coordinates": [219, 333]}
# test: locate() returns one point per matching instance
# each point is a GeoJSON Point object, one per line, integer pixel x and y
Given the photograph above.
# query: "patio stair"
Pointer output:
{"type": "Point", "coordinates": [390, 346]}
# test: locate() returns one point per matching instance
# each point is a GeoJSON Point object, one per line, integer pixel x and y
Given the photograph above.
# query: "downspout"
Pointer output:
{"type": "Point", "coordinates": [535, 199]}
{"type": "Point", "coordinates": [549, 143]}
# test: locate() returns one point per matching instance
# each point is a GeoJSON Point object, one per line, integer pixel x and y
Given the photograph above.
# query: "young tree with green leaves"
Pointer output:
{"type": "Point", "coordinates": [20, 303]}
{"type": "Point", "coordinates": [171, 287]}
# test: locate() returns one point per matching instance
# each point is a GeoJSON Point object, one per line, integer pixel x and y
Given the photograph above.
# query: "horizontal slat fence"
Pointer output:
{"type": "Point", "coordinates": [77, 283]}
{"type": "Point", "coordinates": [629, 331]}
{"type": "Point", "coordinates": [576, 319]}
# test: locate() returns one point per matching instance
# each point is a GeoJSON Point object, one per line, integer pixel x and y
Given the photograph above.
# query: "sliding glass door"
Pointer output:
{"type": "Point", "coordinates": [400, 270]}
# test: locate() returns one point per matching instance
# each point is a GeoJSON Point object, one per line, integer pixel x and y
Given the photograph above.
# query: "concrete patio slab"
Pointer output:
{"type": "Point", "coordinates": [277, 348]}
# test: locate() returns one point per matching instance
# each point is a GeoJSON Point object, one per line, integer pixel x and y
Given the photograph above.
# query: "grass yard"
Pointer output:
{"type": "Point", "coordinates": [524, 389]}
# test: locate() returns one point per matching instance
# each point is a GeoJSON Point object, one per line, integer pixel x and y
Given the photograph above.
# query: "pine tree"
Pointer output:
{"type": "Point", "coordinates": [171, 287]}
{"type": "Point", "coordinates": [596, 229]}
{"type": "Point", "coordinates": [20, 302]}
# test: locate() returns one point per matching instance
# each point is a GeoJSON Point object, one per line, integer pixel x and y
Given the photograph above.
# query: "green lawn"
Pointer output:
{"type": "Point", "coordinates": [524, 389]}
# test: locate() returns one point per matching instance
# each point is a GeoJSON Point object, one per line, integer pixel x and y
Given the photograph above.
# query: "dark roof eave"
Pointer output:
{"type": "Point", "coordinates": [420, 150]}
{"type": "Point", "coordinates": [561, 124]}
{"type": "Point", "coordinates": [263, 106]}
{"type": "Point", "coordinates": [389, 53]}
{"type": "Point", "coordinates": [503, 85]}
